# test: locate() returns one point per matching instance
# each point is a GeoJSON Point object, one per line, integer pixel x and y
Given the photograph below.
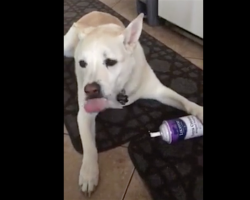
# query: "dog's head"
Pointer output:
{"type": "Point", "coordinates": [105, 60]}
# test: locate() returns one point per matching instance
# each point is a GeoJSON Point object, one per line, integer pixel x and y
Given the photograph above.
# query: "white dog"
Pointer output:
{"type": "Point", "coordinates": [111, 72]}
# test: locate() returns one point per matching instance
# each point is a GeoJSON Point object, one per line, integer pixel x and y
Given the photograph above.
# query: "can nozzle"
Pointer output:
{"type": "Point", "coordinates": [155, 134]}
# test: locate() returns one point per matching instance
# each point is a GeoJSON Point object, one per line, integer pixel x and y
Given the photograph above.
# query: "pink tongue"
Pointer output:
{"type": "Point", "coordinates": [95, 105]}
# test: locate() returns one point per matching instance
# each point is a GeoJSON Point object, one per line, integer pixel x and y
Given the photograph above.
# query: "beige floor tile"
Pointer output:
{"type": "Point", "coordinates": [125, 145]}
{"type": "Point", "coordinates": [110, 3]}
{"type": "Point", "coordinates": [65, 130]}
{"type": "Point", "coordinates": [197, 62]}
{"type": "Point", "coordinates": [115, 173]}
{"type": "Point", "coordinates": [137, 189]}
{"type": "Point", "coordinates": [175, 41]}
{"type": "Point", "coordinates": [126, 8]}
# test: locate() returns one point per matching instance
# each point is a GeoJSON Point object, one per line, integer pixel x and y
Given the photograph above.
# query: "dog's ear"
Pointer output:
{"type": "Point", "coordinates": [70, 41]}
{"type": "Point", "coordinates": [133, 30]}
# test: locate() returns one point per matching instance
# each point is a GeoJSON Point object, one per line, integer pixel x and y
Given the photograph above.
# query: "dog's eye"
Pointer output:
{"type": "Point", "coordinates": [82, 63]}
{"type": "Point", "coordinates": [109, 63]}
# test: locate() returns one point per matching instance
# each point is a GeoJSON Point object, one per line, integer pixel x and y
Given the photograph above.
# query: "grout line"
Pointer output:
{"type": "Point", "coordinates": [115, 4]}
{"type": "Point", "coordinates": [125, 192]}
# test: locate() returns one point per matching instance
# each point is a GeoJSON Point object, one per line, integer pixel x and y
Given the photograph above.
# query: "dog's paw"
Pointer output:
{"type": "Point", "coordinates": [89, 175]}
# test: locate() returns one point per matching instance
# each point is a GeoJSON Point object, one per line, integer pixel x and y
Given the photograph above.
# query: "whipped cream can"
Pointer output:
{"type": "Point", "coordinates": [179, 129]}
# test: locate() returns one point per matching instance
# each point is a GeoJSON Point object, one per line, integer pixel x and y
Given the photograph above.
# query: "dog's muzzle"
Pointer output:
{"type": "Point", "coordinates": [93, 91]}
{"type": "Point", "coordinates": [95, 102]}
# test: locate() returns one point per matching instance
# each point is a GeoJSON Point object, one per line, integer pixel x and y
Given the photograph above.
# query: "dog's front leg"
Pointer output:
{"type": "Point", "coordinates": [89, 172]}
{"type": "Point", "coordinates": [155, 90]}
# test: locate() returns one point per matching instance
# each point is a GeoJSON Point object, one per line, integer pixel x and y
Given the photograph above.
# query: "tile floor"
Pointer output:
{"type": "Point", "coordinates": [119, 180]}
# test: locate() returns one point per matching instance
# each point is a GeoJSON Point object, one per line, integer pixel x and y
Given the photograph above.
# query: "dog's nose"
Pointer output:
{"type": "Point", "coordinates": [92, 88]}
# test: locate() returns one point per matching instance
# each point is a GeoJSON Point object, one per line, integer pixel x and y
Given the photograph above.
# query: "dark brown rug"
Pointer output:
{"type": "Point", "coordinates": [159, 164]}
{"type": "Point", "coordinates": [171, 172]}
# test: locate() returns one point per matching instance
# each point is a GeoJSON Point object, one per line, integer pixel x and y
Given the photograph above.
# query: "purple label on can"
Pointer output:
{"type": "Point", "coordinates": [178, 129]}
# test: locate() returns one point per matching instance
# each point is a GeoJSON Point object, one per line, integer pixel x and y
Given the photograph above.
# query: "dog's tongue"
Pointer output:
{"type": "Point", "coordinates": [95, 105]}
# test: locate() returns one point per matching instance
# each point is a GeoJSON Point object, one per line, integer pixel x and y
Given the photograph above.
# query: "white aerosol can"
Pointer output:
{"type": "Point", "coordinates": [183, 128]}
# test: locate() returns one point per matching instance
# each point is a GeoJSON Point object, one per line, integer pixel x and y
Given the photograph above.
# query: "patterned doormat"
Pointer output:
{"type": "Point", "coordinates": [173, 172]}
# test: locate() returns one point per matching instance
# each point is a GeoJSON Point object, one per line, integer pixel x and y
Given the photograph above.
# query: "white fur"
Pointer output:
{"type": "Point", "coordinates": [132, 73]}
